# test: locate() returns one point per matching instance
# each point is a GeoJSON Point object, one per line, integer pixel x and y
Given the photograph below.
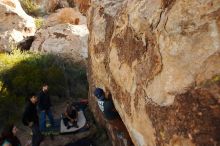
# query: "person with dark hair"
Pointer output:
{"type": "Point", "coordinates": [8, 136]}
{"type": "Point", "coordinates": [70, 116]}
{"type": "Point", "coordinates": [112, 117]}
{"type": "Point", "coordinates": [30, 119]}
{"type": "Point", "coordinates": [44, 105]}
{"type": "Point", "coordinates": [105, 104]}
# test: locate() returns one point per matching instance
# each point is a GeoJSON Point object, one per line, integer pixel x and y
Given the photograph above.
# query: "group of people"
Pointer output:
{"type": "Point", "coordinates": [37, 104]}
{"type": "Point", "coordinates": [37, 108]}
{"type": "Point", "coordinates": [40, 104]}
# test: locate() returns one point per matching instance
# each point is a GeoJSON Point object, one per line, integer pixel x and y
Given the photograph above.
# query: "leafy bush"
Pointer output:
{"type": "Point", "coordinates": [22, 73]}
{"type": "Point", "coordinates": [38, 22]}
{"type": "Point", "coordinates": [30, 7]}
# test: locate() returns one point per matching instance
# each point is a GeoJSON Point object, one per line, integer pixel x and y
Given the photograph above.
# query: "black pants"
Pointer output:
{"type": "Point", "coordinates": [66, 122]}
{"type": "Point", "coordinates": [36, 137]}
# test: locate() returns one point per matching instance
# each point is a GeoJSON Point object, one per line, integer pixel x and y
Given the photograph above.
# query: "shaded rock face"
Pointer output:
{"type": "Point", "coordinates": [15, 24]}
{"type": "Point", "coordinates": [69, 41]}
{"type": "Point", "coordinates": [160, 61]}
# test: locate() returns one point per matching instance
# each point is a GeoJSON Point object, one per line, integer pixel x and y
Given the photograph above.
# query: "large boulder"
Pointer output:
{"type": "Point", "coordinates": [66, 40]}
{"type": "Point", "coordinates": [65, 15]}
{"type": "Point", "coordinates": [160, 61]}
{"type": "Point", "coordinates": [15, 24]}
{"type": "Point", "coordinates": [50, 6]}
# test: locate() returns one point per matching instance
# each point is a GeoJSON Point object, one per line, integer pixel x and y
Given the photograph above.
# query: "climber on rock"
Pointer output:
{"type": "Point", "coordinates": [111, 115]}
{"type": "Point", "coordinates": [106, 104]}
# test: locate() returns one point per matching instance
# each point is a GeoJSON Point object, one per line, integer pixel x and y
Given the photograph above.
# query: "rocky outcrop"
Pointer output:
{"type": "Point", "coordinates": [50, 6]}
{"type": "Point", "coordinates": [160, 61]}
{"type": "Point", "coordinates": [69, 41]}
{"type": "Point", "coordinates": [15, 24]}
{"type": "Point", "coordinates": [65, 15]}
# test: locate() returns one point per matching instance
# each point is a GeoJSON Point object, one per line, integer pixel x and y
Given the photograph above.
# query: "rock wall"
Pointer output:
{"type": "Point", "coordinates": [50, 6]}
{"type": "Point", "coordinates": [65, 15]}
{"type": "Point", "coordinates": [15, 24]}
{"type": "Point", "coordinates": [66, 40]}
{"type": "Point", "coordinates": [161, 62]}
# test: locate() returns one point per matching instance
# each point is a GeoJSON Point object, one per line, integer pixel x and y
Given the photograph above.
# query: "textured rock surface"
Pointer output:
{"type": "Point", "coordinates": [15, 24]}
{"type": "Point", "coordinates": [49, 6]}
{"type": "Point", "coordinates": [160, 61]}
{"type": "Point", "coordinates": [65, 39]}
{"type": "Point", "coordinates": [65, 15]}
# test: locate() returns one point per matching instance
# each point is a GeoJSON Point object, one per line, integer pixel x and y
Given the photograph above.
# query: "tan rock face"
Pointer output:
{"type": "Point", "coordinates": [69, 41]}
{"type": "Point", "coordinates": [15, 24]}
{"type": "Point", "coordinates": [65, 15]}
{"type": "Point", "coordinates": [50, 6]}
{"type": "Point", "coordinates": [160, 61]}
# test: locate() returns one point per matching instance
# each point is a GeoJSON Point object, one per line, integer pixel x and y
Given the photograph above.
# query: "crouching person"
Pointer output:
{"type": "Point", "coordinates": [30, 119]}
{"type": "Point", "coordinates": [70, 116]}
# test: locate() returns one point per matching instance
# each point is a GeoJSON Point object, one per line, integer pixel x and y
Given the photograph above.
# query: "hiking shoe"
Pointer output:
{"type": "Point", "coordinates": [31, 133]}
{"type": "Point", "coordinates": [68, 127]}
{"type": "Point", "coordinates": [76, 126]}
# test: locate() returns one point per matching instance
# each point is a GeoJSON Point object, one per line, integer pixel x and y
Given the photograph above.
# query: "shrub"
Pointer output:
{"type": "Point", "coordinates": [22, 73]}
{"type": "Point", "coordinates": [38, 22]}
{"type": "Point", "coordinates": [30, 7]}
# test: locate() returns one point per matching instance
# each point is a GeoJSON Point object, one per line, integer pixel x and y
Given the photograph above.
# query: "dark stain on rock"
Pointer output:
{"type": "Point", "coordinates": [104, 46]}
{"type": "Point", "coordinates": [168, 4]}
{"type": "Point", "coordinates": [129, 48]}
{"type": "Point", "coordinates": [186, 28]}
{"type": "Point", "coordinates": [59, 35]}
{"type": "Point", "coordinates": [194, 115]}
{"type": "Point", "coordinates": [10, 14]}
{"type": "Point", "coordinates": [212, 15]}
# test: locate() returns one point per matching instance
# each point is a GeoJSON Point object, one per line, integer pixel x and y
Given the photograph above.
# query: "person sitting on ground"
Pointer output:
{"type": "Point", "coordinates": [8, 136]}
{"type": "Point", "coordinates": [106, 104]}
{"type": "Point", "coordinates": [70, 116]}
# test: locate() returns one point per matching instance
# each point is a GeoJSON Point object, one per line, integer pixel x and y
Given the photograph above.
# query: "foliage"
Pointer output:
{"type": "Point", "coordinates": [38, 22]}
{"type": "Point", "coordinates": [22, 73]}
{"type": "Point", "coordinates": [30, 7]}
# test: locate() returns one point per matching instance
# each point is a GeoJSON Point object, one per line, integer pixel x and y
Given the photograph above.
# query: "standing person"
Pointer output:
{"type": "Point", "coordinates": [30, 119]}
{"type": "Point", "coordinates": [44, 105]}
{"type": "Point", "coordinates": [8, 136]}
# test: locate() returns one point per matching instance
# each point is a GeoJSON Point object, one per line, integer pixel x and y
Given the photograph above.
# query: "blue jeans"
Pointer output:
{"type": "Point", "coordinates": [43, 115]}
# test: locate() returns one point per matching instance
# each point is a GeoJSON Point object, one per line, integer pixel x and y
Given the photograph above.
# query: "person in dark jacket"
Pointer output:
{"type": "Point", "coordinates": [30, 119]}
{"type": "Point", "coordinates": [70, 116]}
{"type": "Point", "coordinates": [8, 136]}
{"type": "Point", "coordinates": [44, 105]}
{"type": "Point", "coordinates": [106, 105]}
{"type": "Point", "coordinates": [112, 117]}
